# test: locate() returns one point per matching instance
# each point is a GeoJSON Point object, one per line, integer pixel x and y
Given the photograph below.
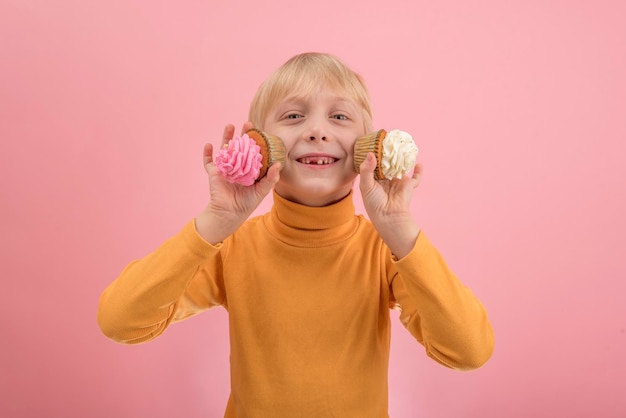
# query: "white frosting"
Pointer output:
{"type": "Point", "coordinates": [399, 154]}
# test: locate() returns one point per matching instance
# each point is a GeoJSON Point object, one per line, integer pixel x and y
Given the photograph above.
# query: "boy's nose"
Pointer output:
{"type": "Point", "coordinates": [316, 129]}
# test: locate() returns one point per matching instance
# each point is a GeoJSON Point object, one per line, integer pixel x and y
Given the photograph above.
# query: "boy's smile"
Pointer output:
{"type": "Point", "coordinates": [319, 134]}
{"type": "Point", "coordinates": [317, 159]}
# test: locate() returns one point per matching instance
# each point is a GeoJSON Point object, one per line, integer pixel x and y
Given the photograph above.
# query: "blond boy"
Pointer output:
{"type": "Point", "coordinates": [308, 286]}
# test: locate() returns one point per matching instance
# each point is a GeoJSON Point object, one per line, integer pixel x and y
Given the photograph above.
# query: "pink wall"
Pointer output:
{"type": "Point", "coordinates": [519, 112]}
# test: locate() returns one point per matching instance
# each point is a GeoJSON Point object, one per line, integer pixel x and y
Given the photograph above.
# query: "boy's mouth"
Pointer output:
{"type": "Point", "coordinates": [316, 160]}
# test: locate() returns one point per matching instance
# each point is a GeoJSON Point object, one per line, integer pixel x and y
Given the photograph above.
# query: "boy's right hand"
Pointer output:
{"type": "Point", "coordinates": [231, 204]}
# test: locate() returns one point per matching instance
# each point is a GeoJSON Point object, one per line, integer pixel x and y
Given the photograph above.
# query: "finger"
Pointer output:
{"type": "Point", "coordinates": [417, 175]}
{"type": "Point", "coordinates": [273, 173]}
{"type": "Point", "coordinates": [207, 154]}
{"type": "Point", "coordinates": [229, 132]}
{"type": "Point", "coordinates": [269, 181]}
{"type": "Point", "coordinates": [246, 127]}
{"type": "Point", "coordinates": [366, 169]}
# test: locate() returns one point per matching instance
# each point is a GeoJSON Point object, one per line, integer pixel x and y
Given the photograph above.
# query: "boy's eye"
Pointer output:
{"type": "Point", "coordinates": [293, 116]}
{"type": "Point", "coordinates": [340, 117]}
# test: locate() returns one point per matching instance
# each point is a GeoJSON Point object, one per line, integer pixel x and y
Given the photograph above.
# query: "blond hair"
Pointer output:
{"type": "Point", "coordinates": [301, 77]}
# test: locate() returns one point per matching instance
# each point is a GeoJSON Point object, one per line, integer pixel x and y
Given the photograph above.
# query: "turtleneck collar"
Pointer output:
{"type": "Point", "coordinates": [304, 226]}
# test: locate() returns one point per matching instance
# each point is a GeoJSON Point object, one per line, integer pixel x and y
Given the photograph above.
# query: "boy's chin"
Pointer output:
{"type": "Point", "coordinates": [314, 194]}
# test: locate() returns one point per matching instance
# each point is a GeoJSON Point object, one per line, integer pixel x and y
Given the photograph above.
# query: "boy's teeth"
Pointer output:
{"type": "Point", "coordinates": [318, 161]}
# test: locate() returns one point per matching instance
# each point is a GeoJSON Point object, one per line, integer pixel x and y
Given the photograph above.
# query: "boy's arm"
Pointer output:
{"type": "Point", "coordinates": [387, 203]}
{"type": "Point", "coordinates": [183, 276]}
{"type": "Point", "coordinates": [437, 309]}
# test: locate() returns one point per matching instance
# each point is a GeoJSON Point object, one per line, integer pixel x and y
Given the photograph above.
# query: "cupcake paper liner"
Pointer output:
{"type": "Point", "coordinates": [272, 150]}
{"type": "Point", "coordinates": [372, 142]}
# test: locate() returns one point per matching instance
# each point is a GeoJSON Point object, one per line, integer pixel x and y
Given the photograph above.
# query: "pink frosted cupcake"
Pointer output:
{"type": "Point", "coordinates": [395, 153]}
{"type": "Point", "coordinates": [246, 159]}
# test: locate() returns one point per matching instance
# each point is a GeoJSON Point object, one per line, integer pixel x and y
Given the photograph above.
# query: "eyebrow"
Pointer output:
{"type": "Point", "coordinates": [301, 101]}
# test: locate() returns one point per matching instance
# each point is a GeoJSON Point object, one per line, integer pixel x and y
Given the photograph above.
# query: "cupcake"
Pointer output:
{"type": "Point", "coordinates": [246, 158]}
{"type": "Point", "coordinates": [395, 153]}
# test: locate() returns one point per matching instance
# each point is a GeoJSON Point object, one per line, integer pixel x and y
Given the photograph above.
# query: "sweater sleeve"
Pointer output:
{"type": "Point", "coordinates": [181, 278]}
{"type": "Point", "coordinates": [439, 311]}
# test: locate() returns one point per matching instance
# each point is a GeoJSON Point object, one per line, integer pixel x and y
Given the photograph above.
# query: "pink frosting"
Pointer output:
{"type": "Point", "coordinates": [240, 160]}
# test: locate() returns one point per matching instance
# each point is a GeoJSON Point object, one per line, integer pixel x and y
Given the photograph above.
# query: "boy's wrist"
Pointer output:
{"type": "Point", "coordinates": [214, 228]}
{"type": "Point", "coordinates": [399, 234]}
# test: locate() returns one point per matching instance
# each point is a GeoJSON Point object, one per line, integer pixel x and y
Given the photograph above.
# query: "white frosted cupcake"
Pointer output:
{"type": "Point", "coordinates": [395, 153]}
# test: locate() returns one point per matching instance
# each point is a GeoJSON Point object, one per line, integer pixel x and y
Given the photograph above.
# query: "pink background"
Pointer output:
{"type": "Point", "coordinates": [519, 110]}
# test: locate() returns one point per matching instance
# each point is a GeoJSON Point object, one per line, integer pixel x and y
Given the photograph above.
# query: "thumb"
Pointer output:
{"type": "Point", "coordinates": [269, 181]}
{"type": "Point", "coordinates": [207, 156]}
{"type": "Point", "coordinates": [416, 178]}
{"type": "Point", "coordinates": [366, 169]}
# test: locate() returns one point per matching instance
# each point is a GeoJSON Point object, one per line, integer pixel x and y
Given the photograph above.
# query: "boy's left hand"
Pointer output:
{"type": "Point", "coordinates": [387, 203]}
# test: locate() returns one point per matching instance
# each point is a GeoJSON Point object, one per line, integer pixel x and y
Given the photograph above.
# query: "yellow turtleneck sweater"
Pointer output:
{"type": "Point", "coordinates": [308, 292]}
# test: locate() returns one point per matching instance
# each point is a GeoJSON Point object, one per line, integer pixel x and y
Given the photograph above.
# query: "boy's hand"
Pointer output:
{"type": "Point", "coordinates": [231, 204]}
{"type": "Point", "coordinates": [387, 203]}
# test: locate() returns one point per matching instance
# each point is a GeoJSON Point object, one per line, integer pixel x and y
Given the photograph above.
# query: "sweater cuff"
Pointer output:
{"type": "Point", "coordinates": [195, 243]}
{"type": "Point", "coordinates": [422, 248]}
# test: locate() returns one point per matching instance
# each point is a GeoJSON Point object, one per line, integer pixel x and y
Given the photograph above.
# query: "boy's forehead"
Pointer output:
{"type": "Point", "coordinates": [321, 95]}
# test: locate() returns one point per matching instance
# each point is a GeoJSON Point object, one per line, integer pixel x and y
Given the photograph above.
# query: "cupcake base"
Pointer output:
{"type": "Point", "coordinates": [372, 142]}
{"type": "Point", "coordinates": [272, 150]}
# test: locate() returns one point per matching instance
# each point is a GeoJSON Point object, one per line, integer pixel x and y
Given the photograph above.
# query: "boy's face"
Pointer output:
{"type": "Point", "coordinates": [319, 134]}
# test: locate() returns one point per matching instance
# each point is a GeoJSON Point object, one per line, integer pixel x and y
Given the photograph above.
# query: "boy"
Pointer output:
{"type": "Point", "coordinates": [308, 286]}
